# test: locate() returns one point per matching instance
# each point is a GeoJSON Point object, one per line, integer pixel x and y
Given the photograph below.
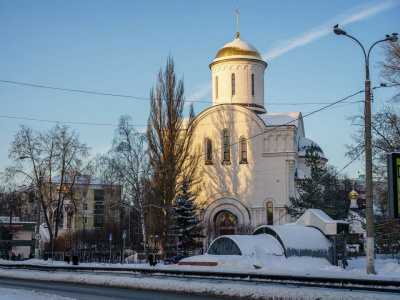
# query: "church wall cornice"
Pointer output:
{"type": "Point", "coordinates": [230, 107]}
{"type": "Point", "coordinates": [293, 155]}
{"type": "Point", "coordinates": [241, 60]}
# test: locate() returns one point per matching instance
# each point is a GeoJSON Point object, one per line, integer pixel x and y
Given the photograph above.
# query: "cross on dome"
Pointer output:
{"type": "Point", "coordinates": [237, 22]}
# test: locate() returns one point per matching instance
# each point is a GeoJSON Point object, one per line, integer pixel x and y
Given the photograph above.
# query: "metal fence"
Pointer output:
{"type": "Point", "coordinates": [100, 257]}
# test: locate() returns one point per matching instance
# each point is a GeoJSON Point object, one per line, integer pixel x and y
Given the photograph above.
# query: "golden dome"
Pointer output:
{"type": "Point", "coordinates": [353, 195]}
{"type": "Point", "coordinates": [237, 48]}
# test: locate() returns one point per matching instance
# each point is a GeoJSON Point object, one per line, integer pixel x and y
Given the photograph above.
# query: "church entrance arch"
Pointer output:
{"type": "Point", "coordinates": [225, 223]}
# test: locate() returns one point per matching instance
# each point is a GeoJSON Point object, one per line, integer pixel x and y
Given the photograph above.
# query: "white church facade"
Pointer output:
{"type": "Point", "coordinates": [251, 158]}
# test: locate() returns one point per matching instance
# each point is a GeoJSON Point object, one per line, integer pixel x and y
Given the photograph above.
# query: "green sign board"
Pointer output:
{"type": "Point", "coordinates": [394, 184]}
{"type": "Point", "coordinates": [398, 185]}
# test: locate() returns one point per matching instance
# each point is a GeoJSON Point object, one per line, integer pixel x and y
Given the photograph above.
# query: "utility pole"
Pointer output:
{"type": "Point", "coordinates": [369, 218]}
{"type": "Point", "coordinates": [368, 178]}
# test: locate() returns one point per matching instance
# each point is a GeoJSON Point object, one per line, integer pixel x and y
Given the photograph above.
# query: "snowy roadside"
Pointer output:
{"type": "Point", "coordinates": [205, 287]}
{"type": "Point", "coordinates": [13, 294]}
{"type": "Point", "coordinates": [386, 269]}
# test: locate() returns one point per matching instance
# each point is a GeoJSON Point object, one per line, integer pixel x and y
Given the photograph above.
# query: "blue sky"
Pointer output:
{"type": "Point", "coordinates": [118, 47]}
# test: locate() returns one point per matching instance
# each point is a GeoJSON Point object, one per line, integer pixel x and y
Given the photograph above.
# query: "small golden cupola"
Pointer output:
{"type": "Point", "coordinates": [353, 197]}
{"type": "Point", "coordinates": [353, 194]}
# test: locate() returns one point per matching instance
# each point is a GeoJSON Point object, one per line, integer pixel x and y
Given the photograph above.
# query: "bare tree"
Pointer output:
{"type": "Point", "coordinates": [57, 151]}
{"type": "Point", "coordinates": [390, 67]}
{"type": "Point", "coordinates": [128, 163]}
{"type": "Point", "coordinates": [385, 139]}
{"type": "Point", "coordinates": [245, 229]}
{"type": "Point", "coordinates": [385, 126]}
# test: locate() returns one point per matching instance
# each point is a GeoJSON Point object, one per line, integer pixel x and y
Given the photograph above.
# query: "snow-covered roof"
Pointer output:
{"type": "Point", "coordinates": [300, 174]}
{"type": "Point", "coordinates": [278, 119]}
{"type": "Point", "coordinates": [322, 215]}
{"type": "Point", "coordinates": [22, 188]}
{"type": "Point", "coordinates": [184, 124]}
{"type": "Point", "coordinates": [319, 219]}
{"type": "Point", "coordinates": [248, 245]}
{"type": "Point", "coordinates": [298, 237]}
{"type": "Point", "coordinates": [80, 179]}
{"type": "Point", "coordinates": [305, 143]}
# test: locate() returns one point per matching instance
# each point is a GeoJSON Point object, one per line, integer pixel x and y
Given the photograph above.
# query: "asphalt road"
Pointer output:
{"type": "Point", "coordinates": [87, 292]}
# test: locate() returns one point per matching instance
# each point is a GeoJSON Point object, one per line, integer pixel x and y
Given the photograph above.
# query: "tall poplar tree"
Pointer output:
{"type": "Point", "coordinates": [170, 138]}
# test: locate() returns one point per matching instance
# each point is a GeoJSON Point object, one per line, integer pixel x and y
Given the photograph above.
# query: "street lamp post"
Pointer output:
{"type": "Point", "coordinates": [368, 150]}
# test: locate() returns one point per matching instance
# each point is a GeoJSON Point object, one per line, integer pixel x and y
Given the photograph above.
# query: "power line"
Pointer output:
{"type": "Point", "coordinates": [62, 122]}
{"type": "Point", "coordinates": [285, 124]}
{"type": "Point", "coordinates": [135, 125]}
{"type": "Point", "coordinates": [148, 99]}
{"type": "Point", "coordinates": [282, 125]}
{"type": "Point", "coordinates": [307, 103]}
{"type": "Point", "coordinates": [141, 98]}
{"type": "Point", "coordinates": [125, 96]}
{"type": "Point", "coordinates": [84, 91]}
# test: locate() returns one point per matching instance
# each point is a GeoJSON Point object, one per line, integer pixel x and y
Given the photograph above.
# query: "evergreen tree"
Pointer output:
{"type": "Point", "coordinates": [322, 190]}
{"type": "Point", "coordinates": [185, 219]}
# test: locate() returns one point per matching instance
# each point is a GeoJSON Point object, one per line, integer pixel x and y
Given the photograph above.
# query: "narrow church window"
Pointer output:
{"type": "Point", "coordinates": [209, 150]}
{"type": "Point", "coordinates": [270, 213]}
{"type": "Point", "coordinates": [233, 84]}
{"type": "Point", "coordinates": [243, 150]}
{"type": "Point", "coordinates": [252, 84]}
{"type": "Point", "coordinates": [227, 146]}
{"type": "Point", "coordinates": [216, 87]}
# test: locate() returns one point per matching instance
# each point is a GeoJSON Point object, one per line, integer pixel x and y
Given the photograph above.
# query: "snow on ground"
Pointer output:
{"type": "Point", "coordinates": [12, 294]}
{"type": "Point", "coordinates": [386, 270]}
{"type": "Point", "coordinates": [243, 290]}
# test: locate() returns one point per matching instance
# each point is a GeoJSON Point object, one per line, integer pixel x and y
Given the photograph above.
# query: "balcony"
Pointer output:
{"type": "Point", "coordinates": [97, 225]}
{"type": "Point", "coordinates": [98, 211]}
{"type": "Point", "coordinates": [98, 198]}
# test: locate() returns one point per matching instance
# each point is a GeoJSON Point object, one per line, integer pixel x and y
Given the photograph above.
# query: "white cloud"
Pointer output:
{"type": "Point", "coordinates": [202, 91]}
{"type": "Point", "coordinates": [357, 14]}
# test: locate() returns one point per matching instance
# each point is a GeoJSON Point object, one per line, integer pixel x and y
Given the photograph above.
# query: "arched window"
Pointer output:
{"type": "Point", "coordinates": [216, 87]}
{"type": "Point", "coordinates": [233, 84]}
{"type": "Point", "coordinates": [227, 146]}
{"type": "Point", "coordinates": [270, 213]}
{"type": "Point", "coordinates": [243, 150]}
{"type": "Point", "coordinates": [209, 151]}
{"type": "Point", "coordinates": [252, 84]}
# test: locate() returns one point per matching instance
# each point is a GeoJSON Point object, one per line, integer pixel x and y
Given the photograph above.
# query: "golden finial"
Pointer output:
{"type": "Point", "coordinates": [353, 194]}
{"type": "Point", "coordinates": [237, 22]}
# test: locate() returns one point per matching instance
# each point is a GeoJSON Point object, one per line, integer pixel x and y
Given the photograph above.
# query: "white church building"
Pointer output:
{"type": "Point", "coordinates": [251, 158]}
